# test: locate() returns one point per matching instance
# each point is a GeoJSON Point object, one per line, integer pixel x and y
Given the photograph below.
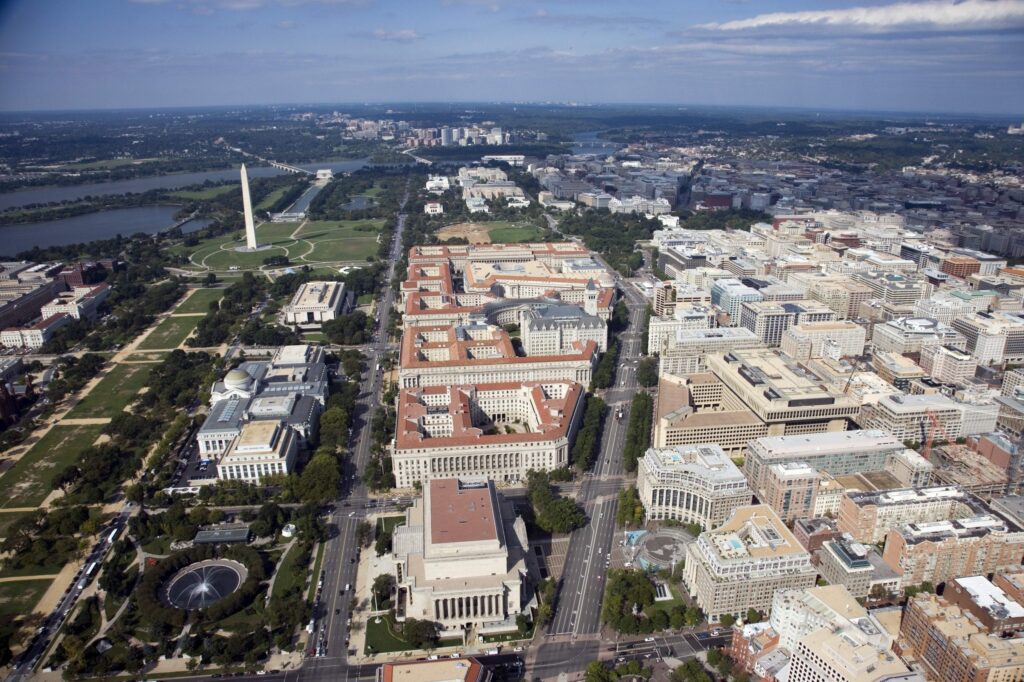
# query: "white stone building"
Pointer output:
{"type": "Point", "coordinates": [691, 484]}
{"type": "Point", "coordinates": [317, 302]}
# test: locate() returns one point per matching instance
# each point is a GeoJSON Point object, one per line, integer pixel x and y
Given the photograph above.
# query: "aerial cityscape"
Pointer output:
{"type": "Point", "coordinates": [475, 341]}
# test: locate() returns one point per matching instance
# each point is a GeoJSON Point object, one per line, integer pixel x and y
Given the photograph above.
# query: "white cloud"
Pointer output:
{"type": "Point", "coordinates": [945, 14]}
{"type": "Point", "coordinates": [401, 36]}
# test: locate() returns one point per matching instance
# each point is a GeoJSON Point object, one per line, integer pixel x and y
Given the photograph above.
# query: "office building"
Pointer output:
{"type": "Point", "coordinates": [840, 293]}
{"type": "Point", "coordinates": [960, 266]}
{"type": "Point", "coordinates": [943, 308]}
{"type": "Point", "coordinates": [790, 489]}
{"type": "Point", "coordinates": [317, 302]}
{"type": "Point", "coordinates": [289, 370]}
{"type": "Point", "coordinates": [837, 339]}
{"type": "Point", "coordinates": [462, 669]}
{"type": "Point", "coordinates": [896, 369]}
{"type": "Point", "coordinates": [461, 559]}
{"type": "Point", "coordinates": [699, 409]}
{"type": "Point", "coordinates": [561, 329]}
{"type": "Point", "coordinates": [691, 484]}
{"type": "Point", "coordinates": [443, 355]}
{"type": "Point", "coordinates": [662, 331]}
{"type": "Point", "coordinates": [34, 336]}
{"type": "Point", "coordinates": [993, 338]}
{"type": "Point", "coordinates": [769, 320]}
{"type": "Point", "coordinates": [948, 365]}
{"type": "Point", "coordinates": [907, 335]}
{"type": "Point", "coordinates": [911, 418]}
{"type": "Point", "coordinates": [730, 294]}
{"type": "Point", "coordinates": [868, 516]}
{"type": "Point", "coordinates": [786, 396]}
{"type": "Point", "coordinates": [81, 303]}
{"type": "Point", "coordinates": [838, 453]}
{"type": "Point", "coordinates": [686, 352]}
{"type": "Point", "coordinates": [446, 431]}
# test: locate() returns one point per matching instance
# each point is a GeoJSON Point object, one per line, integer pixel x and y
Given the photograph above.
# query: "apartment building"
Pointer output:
{"type": "Point", "coordinates": [691, 484]}
{"type": "Point", "coordinates": [743, 563]}
{"type": "Point", "coordinates": [839, 292]}
{"type": "Point", "coordinates": [868, 516]}
{"type": "Point", "coordinates": [948, 365]}
{"type": "Point", "coordinates": [443, 355]}
{"type": "Point", "coordinates": [769, 320]}
{"type": "Point", "coordinates": [896, 369]}
{"type": "Point", "coordinates": [937, 551]}
{"type": "Point", "coordinates": [493, 431]}
{"type": "Point", "coordinates": [950, 644]}
{"type": "Point", "coordinates": [857, 567]}
{"type": "Point", "coordinates": [943, 308]}
{"type": "Point", "coordinates": [837, 453]}
{"type": "Point", "coordinates": [839, 338]}
{"type": "Point", "coordinates": [897, 290]}
{"type": "Point", "coordinates": [790, 489]}
{"type": "Point", "coordinates": [960, 266]}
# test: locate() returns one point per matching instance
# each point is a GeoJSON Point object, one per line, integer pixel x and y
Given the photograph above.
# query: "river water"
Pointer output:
{"type": "Point", "coordinates": [125, 221]}
{"type": "Point", "coordinates": [43, 195]}
{"type": "Point", "coordinates": [590, 143]}
{"type": "Point", "coordinates": [92, 226]}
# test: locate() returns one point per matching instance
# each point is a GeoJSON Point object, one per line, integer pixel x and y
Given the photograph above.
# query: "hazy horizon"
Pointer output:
{"type": "Point", "coordinates": [936, 56]}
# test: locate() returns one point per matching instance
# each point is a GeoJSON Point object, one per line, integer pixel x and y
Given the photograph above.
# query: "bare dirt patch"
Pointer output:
{"type": "Point", "coordinates": [474, 233]}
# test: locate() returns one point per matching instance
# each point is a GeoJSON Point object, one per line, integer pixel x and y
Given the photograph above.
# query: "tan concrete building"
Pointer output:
{"type": "Point", "coordinates": [317, 302]}
{"type": "Point", "coordinates": [699, 409]}
{"type": "Point", "coordinates": [868, 516]}
{"type": "Point", "coordinates": [857, 567]}
{"type": "Point", "coordinates": [460, 559]}
{"type": "Point", "coordinates": [950, 645]}
{"type": "Point", "coordinates": [262, 448]}
{"type": "Point", "coordinates": [790, 489]}
{"type": "Point", "coordinates": [443, 355]}
{"type": "Point", "coordinates": [691, 484]}
{"type": "Point", "coordinates": [810, 340]}
{"type": "Point", "coordinates": [486, 431]}
{"type": "Point", "coordinates": [742, 564]}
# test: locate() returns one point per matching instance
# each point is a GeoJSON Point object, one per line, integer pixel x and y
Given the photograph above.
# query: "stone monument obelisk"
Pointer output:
{"type": "Point", "coordinates": [250, 228]}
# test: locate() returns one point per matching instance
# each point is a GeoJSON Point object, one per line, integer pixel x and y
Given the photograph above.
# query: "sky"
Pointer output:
{"type": "Point", "coordinates": [963, 56]}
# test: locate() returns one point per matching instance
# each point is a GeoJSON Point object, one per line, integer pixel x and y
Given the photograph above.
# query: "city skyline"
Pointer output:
{"type": "Point", "coordinates": [929, 56]}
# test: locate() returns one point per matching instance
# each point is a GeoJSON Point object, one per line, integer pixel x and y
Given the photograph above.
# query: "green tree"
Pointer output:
{"type": "Point", "coordinates": [753, 615]}
{"type": "Point", "coordinates": [727, 620]}
{"type": "Point", "coordinates": [597, 672]}
{"type": "Point", "coordinates": [383, 586]}
{"type": "Point", "coordinates": [319, 481]}
{"type": "Point", "coordinates": [647, 372]}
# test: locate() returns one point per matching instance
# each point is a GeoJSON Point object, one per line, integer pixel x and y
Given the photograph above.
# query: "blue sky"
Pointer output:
{"type": "Point", "coordinates": [921, 55]}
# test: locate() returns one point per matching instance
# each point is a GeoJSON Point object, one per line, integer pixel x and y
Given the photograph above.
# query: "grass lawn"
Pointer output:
{"type": "Point", "coordinates": [106, 163]}
{"type": "Point", "coordinates": [504, 232]}
{"type": "Point", "coordinates": [286, 579]}
{"type": "Point", "coordinates": [206, 193]}
{"type": "Point", "coordinates": [269, 200]}
{"type": "Point", "coordinates": [313, 337]}
{"type": "Point", "coordinates": [27, 483]}
{"type": "Point", "coordinates": [6, 520]}
{"type": "Point", "coordinates": [389, 523]}
{"type": "Point", "coordinates": [364, 299]}
{"type": "Point", "coordinates": [246, 620]}
{"type": "Point", "coordinates": [381, 638]}
{"type": "Point", "coordinates": [199, 301]}
{"type": "Point", "coordinates": [222, 260]}
{"type": "Point", "coordinates": [666, 605]}
{"type": "Point", "coordinates": [276, 233]}
{"type": "Point", "coordinates": [349, 249]}
{"type": "Point", "coordinates": [338, 229]}
{"type": "Point", "coordinates": [114, 391]}
{"type": "Point", "coordinates": [316, 572]}
{"type": "Point", "coordinates": [160, 545]}
{"type": "Point", "coordinates": [169, 333]}
{"type": "Point", "coordinates": [19, 598]}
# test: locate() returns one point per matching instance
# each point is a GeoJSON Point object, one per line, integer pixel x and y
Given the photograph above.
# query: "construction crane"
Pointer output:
{"type": "Point", "coordinates": [934, 425]}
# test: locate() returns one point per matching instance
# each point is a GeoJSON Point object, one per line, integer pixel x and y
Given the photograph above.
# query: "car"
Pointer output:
{"type": "Point", "coordinates": [456, 655]}
{"type": "Point", "coordinates": [352, 560]}
{"type": "Point", "coordinates": [648, 639]}
{"type": "Point", "coordinates": [518, 649]}
{"type": "Point", "coordinates": [337, 611]}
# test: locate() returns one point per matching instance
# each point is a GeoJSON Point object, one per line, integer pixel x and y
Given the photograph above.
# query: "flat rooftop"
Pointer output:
{"type": "Point", "coordinates": [462, 512]}
{"type": "Point", "coordinates": [444, 670]}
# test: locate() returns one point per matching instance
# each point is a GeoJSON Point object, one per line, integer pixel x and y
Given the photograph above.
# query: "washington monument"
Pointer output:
{"type": "Point", "coordinates": [250, 228]}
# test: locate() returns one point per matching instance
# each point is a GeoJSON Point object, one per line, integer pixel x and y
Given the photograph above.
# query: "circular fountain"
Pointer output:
{"type": "Point", "coordinates": [203, 583]}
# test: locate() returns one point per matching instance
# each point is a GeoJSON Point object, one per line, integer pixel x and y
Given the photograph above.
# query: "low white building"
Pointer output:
{"type": "Point", "coordinates": [262, 448]}
{"type": "Point", "coordinates": [80, 303]}
{"type": "Point", "coordinates": [317, 302]}
{"type": "Point", "coordinates": [433, 208]}
{"type": "Point", "coordinates": [34, 336]}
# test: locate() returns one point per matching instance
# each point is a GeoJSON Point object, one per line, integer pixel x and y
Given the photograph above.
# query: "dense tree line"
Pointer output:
{"type": "Point", "coordinates": [349, 330]}
{"type": "Point", "coordinates": [42, 538]}
{"type": "Point", "coordinates": [614, 236]}
{"type": "Point", "coordinates": [647, 372]}
{"type": "Point", "coordinates": [604, 375]}
{"type": "Point", "coordinates": [588, 438]}
{"type": "Point", "coordinates": [551, 512]}
{"type": "Point", "coordinates": [638, 432]}
{"type": "Point", "coordinates": [73, 373]}
{"type": "Point", "coordinates": [631, 510]}
{"type": "Point", "coordinates": [236, 305]}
